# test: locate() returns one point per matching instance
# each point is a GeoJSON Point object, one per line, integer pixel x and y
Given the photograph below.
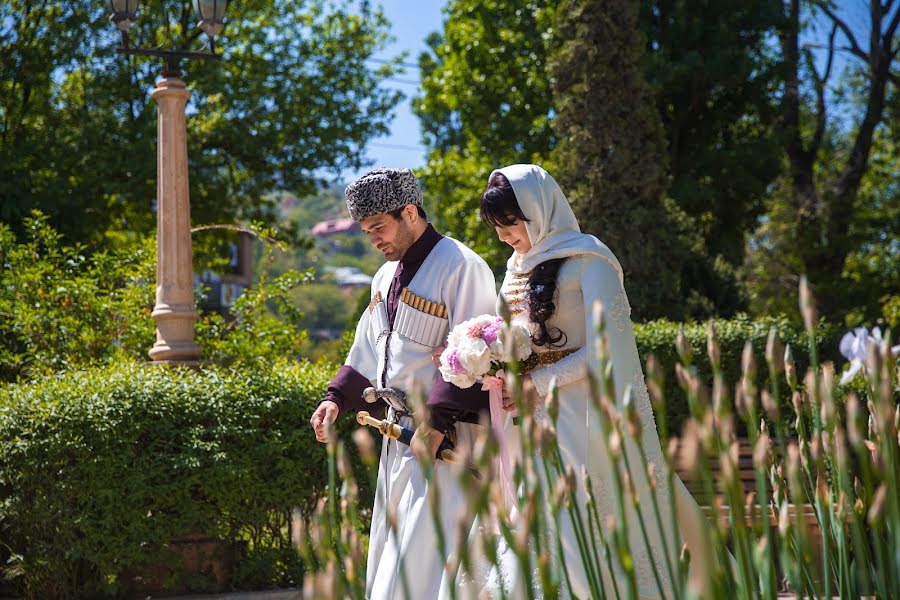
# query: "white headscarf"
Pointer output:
{"type": "Point", "coordinates": [552, 227]}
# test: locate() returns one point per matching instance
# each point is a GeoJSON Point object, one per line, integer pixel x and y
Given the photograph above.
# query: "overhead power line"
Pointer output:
{"type": "Point", "coordinates": [384, 61]}
{"type": "Point", "coordinates": [395, 146]}
{"type": "Point", "coordinates": [403, 81]}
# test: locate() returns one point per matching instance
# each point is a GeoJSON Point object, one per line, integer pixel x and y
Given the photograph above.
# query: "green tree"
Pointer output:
{"type": "Point", "coordinates": [821, 208]}
{"type": "Point", "coordinates": [327, 203]}
{"type": "Point", "coordinates": [872, 268]}
{"type": "Point", "coordinates": [62, 307]}
{"type": "Point", "coordinates": [324, 306]}
{"type": "Point", "coordinates": [869, 282]}
{"type": "Point", "coordinates": [486, 103]}
{"type": "Point", "coordinates": [711, 73]}
{"type": "Point", "coordinates": [291, 98]}
{"type": "Point", "coordinates": [611, 156]}
{"type": "Point", "coordinates": [714, 74]}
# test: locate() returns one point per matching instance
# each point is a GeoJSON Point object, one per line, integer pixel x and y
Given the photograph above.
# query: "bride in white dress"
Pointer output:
{"type": "Point", "coordinates": [553, 279]}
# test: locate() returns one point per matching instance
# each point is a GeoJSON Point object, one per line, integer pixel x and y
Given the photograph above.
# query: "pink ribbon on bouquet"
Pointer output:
{"type": "Point", "coordinates": [493, 384]}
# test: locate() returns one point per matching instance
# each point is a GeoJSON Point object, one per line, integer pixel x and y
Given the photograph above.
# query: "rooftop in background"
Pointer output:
{"type": "Point", "coordinates": [333, 226]}
{"type": "Point", "coordinates": [351, 277]}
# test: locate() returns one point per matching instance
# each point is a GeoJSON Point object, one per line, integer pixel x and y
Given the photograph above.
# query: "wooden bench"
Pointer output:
{"type": "Point", "coordinates": [747, 477]}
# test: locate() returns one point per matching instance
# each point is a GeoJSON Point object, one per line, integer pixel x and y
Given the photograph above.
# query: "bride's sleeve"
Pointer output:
{"type": "Point", "coordinates": [599, 280]}
{"type": "Point", "coordinates": [567, 370]}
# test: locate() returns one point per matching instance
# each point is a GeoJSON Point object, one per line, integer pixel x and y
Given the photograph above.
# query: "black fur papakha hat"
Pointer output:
{"type": "Point", "coordinates": [382, 190]}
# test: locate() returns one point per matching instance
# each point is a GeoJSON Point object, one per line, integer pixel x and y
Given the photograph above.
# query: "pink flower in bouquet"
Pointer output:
{"type": "Point", "coordinates": [492, 331]}
{"type": "Point", "coordinates": [475, 330]}
{"type": "Point", "coordinates": [481, 346]}
{"type": "Point", "coordinates": [455, 364]}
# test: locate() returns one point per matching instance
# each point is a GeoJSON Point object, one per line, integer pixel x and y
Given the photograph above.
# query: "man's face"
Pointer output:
{"type": "Point", "coordinates": [391, 236]}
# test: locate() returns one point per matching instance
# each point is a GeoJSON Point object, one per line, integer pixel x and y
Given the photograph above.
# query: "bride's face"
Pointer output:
{"type": "Point", "coordinates": [515, 235]}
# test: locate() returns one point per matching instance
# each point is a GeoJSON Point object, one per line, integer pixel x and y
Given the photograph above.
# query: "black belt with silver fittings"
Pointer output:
{"type": "Point", "coordinates": [542, 359]}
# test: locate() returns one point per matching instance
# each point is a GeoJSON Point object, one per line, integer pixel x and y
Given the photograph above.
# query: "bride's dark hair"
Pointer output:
{"type": "Point", "coordinates": [500, 208]}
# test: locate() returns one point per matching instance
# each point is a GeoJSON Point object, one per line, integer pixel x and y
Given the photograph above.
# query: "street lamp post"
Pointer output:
{"type": "Point", "coordinates": [174, 312]}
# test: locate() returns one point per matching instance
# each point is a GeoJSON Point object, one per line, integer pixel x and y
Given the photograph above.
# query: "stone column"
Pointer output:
{"type": "Point", "coordinates": [175, 312]}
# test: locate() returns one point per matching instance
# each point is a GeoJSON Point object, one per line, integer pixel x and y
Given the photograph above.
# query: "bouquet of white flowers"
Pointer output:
{"type": "Point", "coordinates": [479, 349]}
{"type": "Point", "coordinates": [481, 346]}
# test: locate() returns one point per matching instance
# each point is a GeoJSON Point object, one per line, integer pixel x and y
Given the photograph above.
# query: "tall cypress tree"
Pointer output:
{"type": "Point", "coordinates": [611, 159]}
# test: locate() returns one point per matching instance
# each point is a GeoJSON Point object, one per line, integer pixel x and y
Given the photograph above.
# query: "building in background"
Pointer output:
{"type": "Point", "coordinates": [222, 289]}
{"type": "Point", "coordinates": [324, 229]}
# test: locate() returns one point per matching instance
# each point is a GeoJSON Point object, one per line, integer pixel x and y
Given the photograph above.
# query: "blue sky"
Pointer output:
{"type": "Point", "coordinates": [411, 21]}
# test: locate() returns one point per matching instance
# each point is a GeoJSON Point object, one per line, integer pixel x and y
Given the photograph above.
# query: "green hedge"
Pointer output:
{"type": "Point", "coordinates": [658, 338]}
{"type": "Point", "coordinates": [100, 469]}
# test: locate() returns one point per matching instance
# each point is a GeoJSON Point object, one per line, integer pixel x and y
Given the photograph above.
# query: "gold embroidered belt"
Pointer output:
{"type": "Point", "coordinates": [542, 359]}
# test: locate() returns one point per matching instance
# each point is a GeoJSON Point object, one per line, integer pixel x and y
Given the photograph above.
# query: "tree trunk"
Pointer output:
{"type": "Point", "coordinates": [612, 156]}
{"type": "Point", "coordinates": [823, 217]}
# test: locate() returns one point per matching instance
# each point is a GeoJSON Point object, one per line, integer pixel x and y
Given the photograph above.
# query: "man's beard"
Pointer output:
{"type": "Point", "coordinates": [393, 254]}
{"type": "Point", "coordinates": [402, 242]}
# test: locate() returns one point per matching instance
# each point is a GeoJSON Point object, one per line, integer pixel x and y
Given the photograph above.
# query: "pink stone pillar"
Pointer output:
{"type": "Point", "coordinates": [175, 312]}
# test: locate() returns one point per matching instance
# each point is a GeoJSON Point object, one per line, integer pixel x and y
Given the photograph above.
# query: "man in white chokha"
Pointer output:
{"type": "Point", "coordinates": [430, 284]}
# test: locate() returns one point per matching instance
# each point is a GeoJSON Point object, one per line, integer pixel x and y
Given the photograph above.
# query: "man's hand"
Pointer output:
{"type": "Point", "coordinates": [428, 439]}
{"type": "Point", "coordinates": [434, 441]}
{"type": "Point", "coordinates": [323, 418]}
{"type": "Point", "coordinates": [529, 394]}
{"type": "Point", "coordinates": [436, 355]}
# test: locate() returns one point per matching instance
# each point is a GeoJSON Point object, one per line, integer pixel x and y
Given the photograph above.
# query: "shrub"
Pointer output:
{"type": "Point", "coordinates": [99, 469]}
{"type": "Point", "coordinates": [658, 338]}
{"type": "Point", "coordinates": [70, 307]}
{"type": "Point", "coordinates": [263, 322]}
{"type": "Point", "coordinates": [63, 306]}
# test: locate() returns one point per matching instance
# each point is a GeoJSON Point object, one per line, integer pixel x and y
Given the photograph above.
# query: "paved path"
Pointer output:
{"type": "Point", "coordinates": [270, 595]}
